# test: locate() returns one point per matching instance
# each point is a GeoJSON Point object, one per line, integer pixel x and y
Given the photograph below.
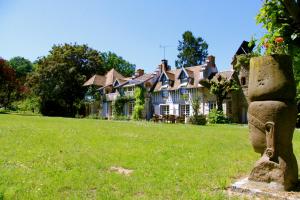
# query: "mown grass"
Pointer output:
{"type": "Point", "coordinates": [61, 158]}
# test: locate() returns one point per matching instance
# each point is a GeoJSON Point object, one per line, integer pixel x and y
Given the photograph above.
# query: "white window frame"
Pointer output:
{"type": "Point", "coordinates": [164, 109]}
{"type": "Point", "coordinates": [185, 110]}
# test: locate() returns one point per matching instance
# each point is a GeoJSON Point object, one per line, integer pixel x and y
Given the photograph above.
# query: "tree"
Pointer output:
{"type": "Point", "coordinates": [220, 86]}
{"type": "Point", "coordinates": [192, 50]}
{"type": "Point", "coordinates": [8, 83]}
{"type": "Point", "coordinates": [112, 60]}
{"type": "Point", "coordinates": [281, 18]}
{"type": "Point", "coordinates": [21, 65]}
{"type": "Point", "coordinates": [60, 75]}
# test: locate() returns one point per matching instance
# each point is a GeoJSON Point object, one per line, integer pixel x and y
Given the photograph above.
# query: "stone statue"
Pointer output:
{"type": "Point", "coordinates": [272, 117]}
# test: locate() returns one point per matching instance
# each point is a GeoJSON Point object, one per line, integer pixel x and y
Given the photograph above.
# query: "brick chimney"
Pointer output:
{"type": "Point", "coordinates": [210, 60]}
{"type": "Point", "coordinates": [139, 72]}
{"type": "Point", "coordinates": [164, 65]}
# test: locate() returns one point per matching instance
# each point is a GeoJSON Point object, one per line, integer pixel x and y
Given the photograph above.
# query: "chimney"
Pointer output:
{"type": "Point", "coordinates": [139, 72]}
{"type": "Point", "coordinates": [210, 60]}
{"type": "Point", "coordinates": [164, 65]}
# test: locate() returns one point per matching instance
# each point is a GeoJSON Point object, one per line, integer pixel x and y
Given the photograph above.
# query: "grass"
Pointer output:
{"type": "Point", "coordinates": [61, 158]}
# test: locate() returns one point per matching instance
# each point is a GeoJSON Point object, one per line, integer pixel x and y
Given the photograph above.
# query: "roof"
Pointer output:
{"type": "Point", "coordinates": [96, 80]}
{"type": "Point", "coordinates": [138, 80]}
{"type": "Point", "coordinates": [113, 75]}
{"type": "Point", "coordinates": [244, 48]}
{"type": "Point", "coordinates": [192, 72]}
{"type": "Point", "coordinates": [108, 79]}
{"type": "Point", "coordinates": [225, 74]}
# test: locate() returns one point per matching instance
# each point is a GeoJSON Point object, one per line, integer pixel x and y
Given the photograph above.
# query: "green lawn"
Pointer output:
{"type": "Point", "coordinates": [61, 158]}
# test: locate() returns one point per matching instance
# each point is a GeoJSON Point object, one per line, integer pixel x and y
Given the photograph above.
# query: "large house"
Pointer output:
{"type": "Point", "coordinates": [168, 92]}
{"type": "Point", "coordinates": [172, 91]}
{"type": "Point", "coordinates": [176, 89]}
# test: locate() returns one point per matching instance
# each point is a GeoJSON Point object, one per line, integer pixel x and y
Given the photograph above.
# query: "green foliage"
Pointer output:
{"type": "Point", "coordinates": [21, 65]}
{"type": "Point", "coordinates": [139, 101]}
{"type": "Point", "coordinates": [9, 84]}
{"type": "Point", "coordinates": [92, 93]}
{"type": "Point", "coordinates": [217, 117]}
{"type": "Point", "coordinates": [279, 19]}
{"type": "Point", "coordinates": [198, 119]}
{"type": "Point", "coordinates": [192, 50]}
{"type": "Point", "coordinates": [118, 106]}
{"type": "Point", "coordinates": [221, 86]}
{"type": "Point", "coordinates": [60, 75]}
{"type": "Point", "coordinates": [29, 104]}
{"type": "Point", "coordinates": [242, 60]}
{"type": "Point", "coordinates": [112, 60]}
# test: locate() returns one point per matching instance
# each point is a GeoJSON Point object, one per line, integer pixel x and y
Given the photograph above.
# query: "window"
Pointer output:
{"type": "Point", "coordinates": [130, 107]}
{"type": "Point", "coordinates": [183, 78]}
{"type": "Point", "coordinates": [243, 81]}
{"type": "Point", "coordinates": [185, 110]}
{"type": "Point", "coordinates": [164, 93]}
{"type": "Point", "coordinates": [130, 89]}
{"type": "Point", "coordinates": [164, 109]}
{"type": "Point", "coordinates": [212, 105]}
{"type": "Point", "coordinates": [164, 80]}
{"type": "Point", "coordinates": [183, 91]}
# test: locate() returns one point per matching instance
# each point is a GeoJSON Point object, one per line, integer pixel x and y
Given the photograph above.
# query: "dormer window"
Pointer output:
{"type": "Point", "coordinates": [116, 83]}
{"type": "Point", "coordinates": [164, 80]}
{"type": "Point", "coordinates": [183, 77]}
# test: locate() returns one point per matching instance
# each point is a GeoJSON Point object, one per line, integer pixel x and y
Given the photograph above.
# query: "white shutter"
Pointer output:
{"type": "Point", "coordinates": [176, 109]}
{"type": "Point", "coordinates": [171, 109]}
{"type": "Point", "coordinates": [206, 108]}
{"type": "Point", "coordinates": [156, 110]}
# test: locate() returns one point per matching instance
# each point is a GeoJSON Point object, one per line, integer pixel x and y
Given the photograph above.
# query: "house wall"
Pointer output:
{"type": "Point", "coordinates": [174, 100]}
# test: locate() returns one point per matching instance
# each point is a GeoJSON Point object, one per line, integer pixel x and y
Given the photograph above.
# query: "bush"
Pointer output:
{"type": "Point", "coordinates": [30, 104]}
{"type": "Point", "coordinates": [198, 119]}
{"type": "Point", "coordinates": [121, 118]}
{"type": "Point", "coordinates": [217, 117]}
{"type": "Point", "coordinates": [138, 112]}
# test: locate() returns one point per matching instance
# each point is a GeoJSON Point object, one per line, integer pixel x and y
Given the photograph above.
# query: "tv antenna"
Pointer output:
{"type": "Point", "coordinates": [164, 47]}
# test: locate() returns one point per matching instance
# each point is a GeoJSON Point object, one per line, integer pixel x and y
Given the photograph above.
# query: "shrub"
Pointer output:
{"type": "Point", "coordinates": [217, 117]}
{"type": "Point", "coordinates": [118, 105]}
{"type": "Point", "coordinates": [121, 118]}
{"type": "Point", "coordinates": [30, 104]}
{"type": "Point", "coordinates": [198, 119]}
{"type": "Point", "coordinates": [138, 112]}
{"type": "Point", "coordinates": [139, 97]}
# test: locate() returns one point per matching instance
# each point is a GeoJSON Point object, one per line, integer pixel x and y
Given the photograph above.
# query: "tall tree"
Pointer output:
{"type": "Point", "coordinates": [21, 65]}
{"type": "Point", "coordinates": [192, 50]}
{"type": "Point", "coordinates": [112, 60]}
{"type": "Point", "coordinates": [60, 75]}
{"type": "Point", "coordinates": [8, 83]}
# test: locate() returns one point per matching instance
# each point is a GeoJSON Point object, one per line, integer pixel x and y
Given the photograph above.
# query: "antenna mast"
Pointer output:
{"type": "Point", "coordinates": [164, 47]}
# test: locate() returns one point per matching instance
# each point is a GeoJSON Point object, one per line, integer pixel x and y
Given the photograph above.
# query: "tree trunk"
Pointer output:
{"type": "Point", "coordinates": [220, 104]}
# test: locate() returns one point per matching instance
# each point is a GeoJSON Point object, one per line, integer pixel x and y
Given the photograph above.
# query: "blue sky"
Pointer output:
{"type": "Point", "coordinates": [134, 29]}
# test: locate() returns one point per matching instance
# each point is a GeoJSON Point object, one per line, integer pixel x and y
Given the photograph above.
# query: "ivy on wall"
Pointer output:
{"type": "Point", "coordinates": [139, 97]}
{"type": "Point", "coordinates": [118, 105]}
